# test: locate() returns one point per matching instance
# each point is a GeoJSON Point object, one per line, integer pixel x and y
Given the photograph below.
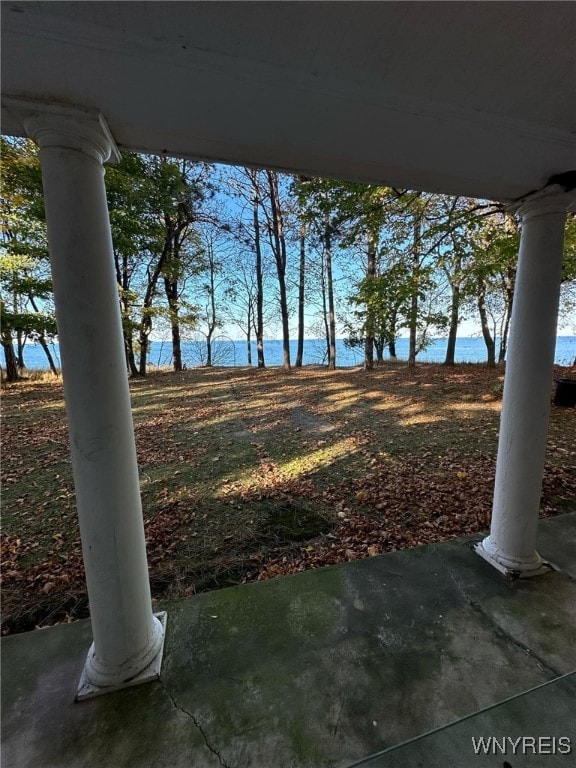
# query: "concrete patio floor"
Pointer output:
{"type": "Point", "coordinates": [323, 668]}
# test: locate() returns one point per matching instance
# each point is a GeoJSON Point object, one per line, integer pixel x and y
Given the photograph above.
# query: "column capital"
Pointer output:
{"type": "Point", "coordinates": [77, 128]}
{"type": "Point", "coordinates": [551, 199]}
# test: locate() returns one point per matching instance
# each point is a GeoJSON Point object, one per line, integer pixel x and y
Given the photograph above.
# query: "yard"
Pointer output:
{"type": "Point", "coordinates": [248, 474]}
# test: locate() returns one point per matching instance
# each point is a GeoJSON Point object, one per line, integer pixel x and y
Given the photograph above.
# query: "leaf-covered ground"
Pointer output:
{"type": "Point", "coordinates": [249, 474]}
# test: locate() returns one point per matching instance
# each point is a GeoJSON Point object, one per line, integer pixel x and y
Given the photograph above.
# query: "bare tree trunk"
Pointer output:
{"type": "Point", "coordinates": [369, 344]}
{"type": "Point", "coordinates": [20, 343]}
{"type": "Point", "coordinates": [20, 335]}
{"type": "Point", "coordinates": [301, 276]}
{"type": "Point", "coordinates": [11, 361]}
{"type": "Point", "coordinates": [212, 322]}
{"type": "Point", "coordinates": [330, 291]}
{"type": "Point", "coordinates": [176, 346]}
{"type": "Point", "coordinates": [369, 341]}
{"type": "Point", "coordinates": [414, 298]}
{"type": "Point", "coordinates": [504, 340]}
{"type": "Point", "coordinates": [285, 327]}
{"type": "Point", "coordinates": [171, 291]}
{"type": "Point", "coordinates": [325, 308]}
{"type": "Point", "coordinates": [392, 341]}
{"type": "Point", "coordinates": [488, 340]}
{"type": "Point", "coordinates": [130, 356]}
{"type": "Point", "coordinates": [44, 345]}
{"type": "Point", "coordinates": [153, 277]}
{"type": "Point", "coordinates": [209, 350]}
{"type": "Point", "coordinates": [123, 280]}
{"type": "Point", "coordinates": [509, 299]}
{"type": "Point", "coordinates": [279, 248]}
{"type": "Point", "coordinates": [454, 317]}
{"type": "Point", "coordinates": [145, 330]}
{"type": "Point", "coordinates": [249, 333]}
{"type": "Point", "coordinates": [259, 274]}
{"type": "Point", "coordinates": [455, 282]}
{"type": "Point", "coordinates": [42, 341]}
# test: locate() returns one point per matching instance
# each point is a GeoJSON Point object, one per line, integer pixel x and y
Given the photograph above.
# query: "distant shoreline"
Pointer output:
{"type": "Point", "coordinates": [233, 353]}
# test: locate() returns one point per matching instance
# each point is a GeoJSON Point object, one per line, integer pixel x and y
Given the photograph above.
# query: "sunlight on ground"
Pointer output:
{"type": "Point", "coordinates": [394, 402]}
{"type": "Point", "coordinates": [420, 418]}
{"type": "Point", "coordinates": [321, 457]}
{"type": "Point", "coordinates": [475, 407]}
{"type": "Point", "coordinates": [305, 463]}
{"type": "Point", "coordinates": [50, 406]}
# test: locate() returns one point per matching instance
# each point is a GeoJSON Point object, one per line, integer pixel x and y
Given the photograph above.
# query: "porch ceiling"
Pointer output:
{"type": "Point", "coordinates": [465, 98]}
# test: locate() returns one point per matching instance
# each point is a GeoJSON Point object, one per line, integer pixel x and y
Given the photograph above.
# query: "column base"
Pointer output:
{"type": "Point", "coordinates": [519, 568]}
{"type": "Point", "coordinates": [87, 689]}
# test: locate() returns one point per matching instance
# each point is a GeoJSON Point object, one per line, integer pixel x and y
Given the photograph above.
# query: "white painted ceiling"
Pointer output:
{"type": "Point", "coordinates": [459, 97]}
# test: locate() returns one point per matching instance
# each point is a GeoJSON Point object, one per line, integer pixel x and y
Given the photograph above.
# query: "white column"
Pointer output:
{"type": "Point", "coordinates": [127, 636]}
{"type": "Point", "coordinates": [511, 545]}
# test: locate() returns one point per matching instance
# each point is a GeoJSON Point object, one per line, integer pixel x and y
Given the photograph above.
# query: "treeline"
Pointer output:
{"type": "Point", "coordinates": [200, 248]}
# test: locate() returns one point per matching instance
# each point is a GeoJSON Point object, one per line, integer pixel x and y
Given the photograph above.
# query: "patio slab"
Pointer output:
{"type": "Point", "coordinates": [527, 731]}
{"type": "Point", "coordinates": [318, 669]}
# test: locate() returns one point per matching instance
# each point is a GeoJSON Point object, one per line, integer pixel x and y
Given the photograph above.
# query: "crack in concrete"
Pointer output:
{"type": "Point", "coordinates": [339, 715]}
{"type": "Point", "coordinates": [197, 724]}
{"type": "Point", "coordinates": [498, 629]}
{"type": "Point", "coordinates": [501, 632]}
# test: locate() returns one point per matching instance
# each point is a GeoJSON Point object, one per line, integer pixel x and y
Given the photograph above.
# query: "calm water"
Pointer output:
{"type": "Point", "coordinates": [227, 352]}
